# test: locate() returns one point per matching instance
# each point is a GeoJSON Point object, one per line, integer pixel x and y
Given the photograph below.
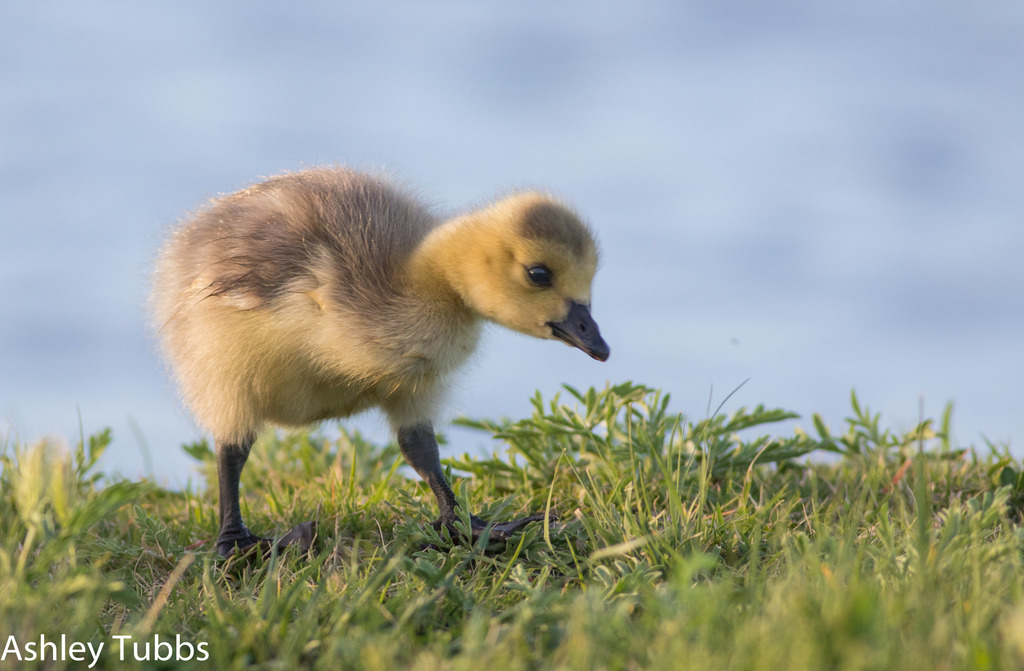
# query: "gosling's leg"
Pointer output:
{"type": "Point", "coordinates": [419, 447]}
{"type": "Point", "coordinates": [234, 536]}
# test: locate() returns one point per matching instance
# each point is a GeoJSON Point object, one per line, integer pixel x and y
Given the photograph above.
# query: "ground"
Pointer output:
{"type": "Point", "coordinates": [673, 543]}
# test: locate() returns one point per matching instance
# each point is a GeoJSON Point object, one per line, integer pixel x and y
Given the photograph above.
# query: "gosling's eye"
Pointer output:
{"type": "Point", "coordinates": [539, 276]}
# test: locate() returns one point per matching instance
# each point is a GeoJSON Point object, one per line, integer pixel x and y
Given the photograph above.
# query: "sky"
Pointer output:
{"type": "Point", "coordinates": [792, 200]}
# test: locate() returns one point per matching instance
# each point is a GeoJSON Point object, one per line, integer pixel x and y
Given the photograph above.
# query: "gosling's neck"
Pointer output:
{"type": "Point", "coordinates": [439, 268]}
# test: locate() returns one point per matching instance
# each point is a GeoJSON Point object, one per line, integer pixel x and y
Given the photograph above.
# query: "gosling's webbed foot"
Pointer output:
{"type": "Point", "coordinates": [301, 536]}
{"type": "Point", "coordinates": [501, 531]}
{"type": "Point", "coordinates": [496, 532]}
{"type": "Point", "coordinates": [419, 447]}
{"type": "Point", "coordinates": [243, 544]}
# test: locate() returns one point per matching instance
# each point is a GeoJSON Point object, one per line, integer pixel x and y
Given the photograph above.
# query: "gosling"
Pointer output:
{"type": "Point", "coordinates": [321, 293]}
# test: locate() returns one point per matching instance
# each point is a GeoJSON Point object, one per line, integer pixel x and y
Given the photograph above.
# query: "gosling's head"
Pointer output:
{"type": "Point", "coordinates": [528, 264]}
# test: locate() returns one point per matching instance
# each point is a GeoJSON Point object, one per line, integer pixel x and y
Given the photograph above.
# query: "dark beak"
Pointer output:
{"type": "Point", "coordinates": [579, 330]}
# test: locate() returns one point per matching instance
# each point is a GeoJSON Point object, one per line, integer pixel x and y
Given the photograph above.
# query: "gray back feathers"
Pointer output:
{"type": "Point", "coordinates": [268, 240]}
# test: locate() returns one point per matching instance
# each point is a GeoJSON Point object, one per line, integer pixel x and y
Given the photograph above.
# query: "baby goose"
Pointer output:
{"type": "Point", "coordinates": [321, 293]}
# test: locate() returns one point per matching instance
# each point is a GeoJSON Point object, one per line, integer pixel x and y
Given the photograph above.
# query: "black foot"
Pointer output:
{"type": "Point", "coordinates": [496, 532]}
{"type": "Point", "coordinates": [301, 536]}
{"type": "Point", "coordinates": [240, 545]}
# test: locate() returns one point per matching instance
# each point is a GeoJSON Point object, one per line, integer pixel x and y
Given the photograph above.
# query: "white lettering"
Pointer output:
{"type": "Point", "coordinates": [95, 652]}
{"type": "Point", "coordinates": [49, 650]}
{"type": "Point", "coordinates": [43, 643]}
{"type": "Point", "coordinates": [157, 643]}
{"type": "Point", "coordinates": [76, 651]}
{"type": "Point", "coordinates": [121, 639]}
{"type": "Point", "coordinates": [178, 643]}
{"type": "Point", "coordinates": [11, 647]}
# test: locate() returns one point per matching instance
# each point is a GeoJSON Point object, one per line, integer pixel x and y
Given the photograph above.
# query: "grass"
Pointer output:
{"type": "Point", "coordinates": [678, 544]}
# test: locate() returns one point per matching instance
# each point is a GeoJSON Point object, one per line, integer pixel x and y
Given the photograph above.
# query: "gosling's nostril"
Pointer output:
{"type": "Point", "coordinates": [579, 330]}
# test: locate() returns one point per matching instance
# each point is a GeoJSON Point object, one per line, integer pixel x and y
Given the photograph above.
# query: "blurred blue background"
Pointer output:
{"type": "Point", "coordinates": [814, 196]}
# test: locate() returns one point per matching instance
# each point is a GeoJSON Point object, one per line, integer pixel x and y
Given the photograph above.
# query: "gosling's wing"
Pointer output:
{"type": "Point", "coordinates": [340, 234]}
